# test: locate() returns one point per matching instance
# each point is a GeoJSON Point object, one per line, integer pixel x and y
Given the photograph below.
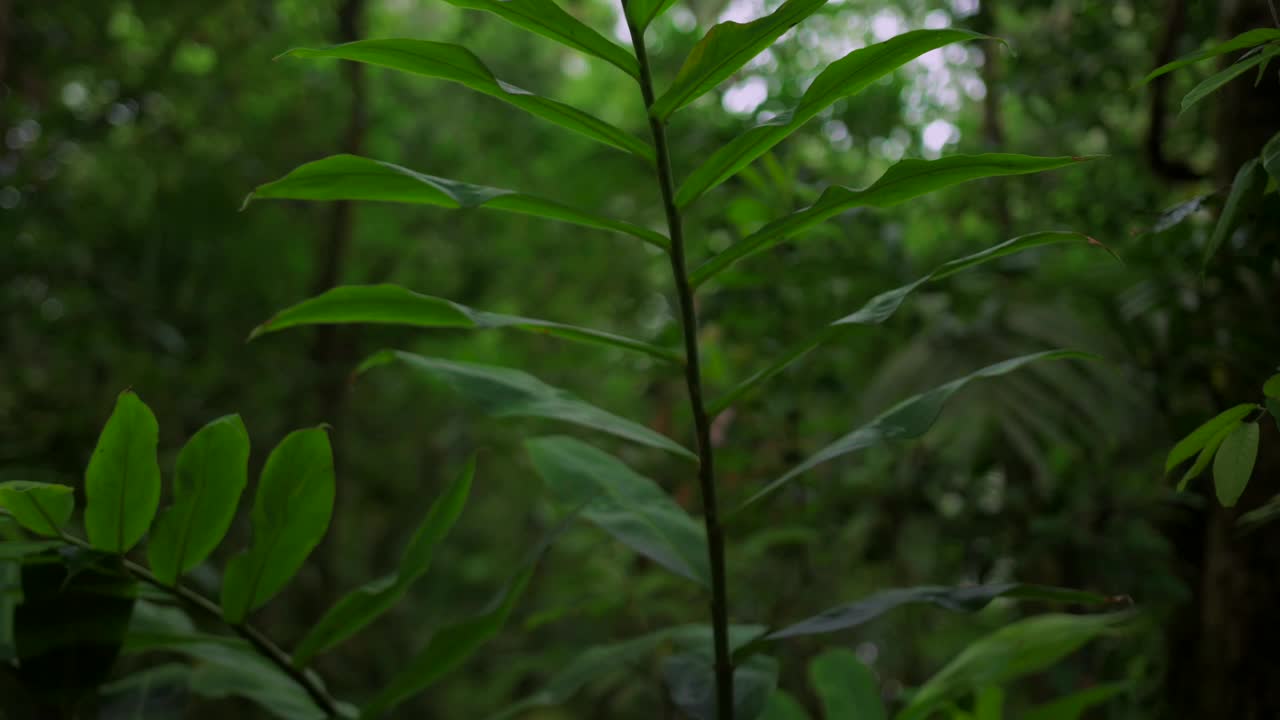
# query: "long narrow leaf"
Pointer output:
{"type": "Point", "coordinates": [643, 12]}
{"type": "Point", "coordinates": [1246, 191]}
{"type": "Point", "coordinates": [1215, 81]}
{"type": "Point", "coordinates": [458, 64]}
{"type": "Point", "coordinates": [1249, 39]}
{"type": "Point", "coordinates": [1233, 465]}
{"type": "Point", "coordinates": [845, 77]}
{"type": "Point", "coordinates": [394, 305]}
{"type": "Point", "coordinates": [505, 392]}
{"type": "Point", "coordinates": [546, 18]}
{"type": "Point", "coordinates": [350, 177]}
{"type": "Point", "coordinates": [725, 49]}
{"type": "Point", "coordinates": [906, 180]}
{"type": "Point", "coordinates": [1198, 438]}
{"type": "Point", "coordinates": [908, 419]}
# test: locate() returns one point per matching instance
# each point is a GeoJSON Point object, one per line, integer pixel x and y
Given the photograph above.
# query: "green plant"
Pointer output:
{"type": "Point", "coordinates": [721, 671]}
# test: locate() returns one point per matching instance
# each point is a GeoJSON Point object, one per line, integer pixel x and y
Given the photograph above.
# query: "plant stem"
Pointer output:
{"type": "Point", "coordinates": [693, 379]}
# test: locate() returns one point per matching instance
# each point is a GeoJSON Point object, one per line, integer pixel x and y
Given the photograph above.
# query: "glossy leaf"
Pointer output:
{"type": "Point", "coordinates": [628, 506]}
{"type": "Point", "coordinates": [880, 308]}
{"type": "Point", "coordinates": [350, 177]}
{"type": "Point", "coordinates": [1200, 437]}
{"type": "Point", "coordinates": [908, 419]}
{"type": "Point", "coordinates": [1215, 81]}
{"type": "Point", "coordinates": [290, 515]}
{"type": "Point", "coordinates": [122, 482]}
{"type": "Point", "coordinates": [845, 77]}
{"type": "Point", "coordinates": [1243, 41]}
{"type": "Point", "coordinates": [906, 180]}
{"type": "Point", "coordinates": [1073, 706]}
{"type": "Point", "coordinates": [724, 50]}
{"type": "Point", "coordinates": [963, 598]}
{"type": "Point", "coordinates": [211, 473]}
{"type": "Point", "coordinates": [643, 12]}
{"type": "Point", "coordinates": [365, 604]}
{"type": "Point", "coordinates": [458, 64]}
{"type": "Point", "coordinates": [1019, 649]}
{"type": "Point", "coordinates": [846, 687]}
{"type": "Point", "coordinates": [506, 392]}
{"type": "Point", "coordinates": [1233, 465]}
{"type": "Point", "coordinates": [394, 305]}
{"type": "Point", "coordinates": [690, 680]}
{"type": "Point", "coordinates": [42, 508]}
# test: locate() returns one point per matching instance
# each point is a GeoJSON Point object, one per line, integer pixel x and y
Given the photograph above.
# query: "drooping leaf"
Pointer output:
{"type": "Point", "coordinates": [643, 12]}
{"type": "Point", "coordinates": [782, 706]}
{"type": "Point", "coordinates": [628, 506]}
{"type": "Point", "coordinates": [724, 50]}
{"type": "Point", "coordinates": [1215, 81]}
{"type": "Point", "coordinates": [1233, 465]}
{"type": "Point", "coordinates": [394, 305]}
{"type": "Point", "coordinates": [1022, 648]}
{"type": "Point", "coordinates": [963, 598]}
{"type": "Point", "coordinates": [845, 77]}
{"type": "Point", "coordinates": [42, 508]}
{"type": "Point", "coordinates": [458, 64]}
{"type": "Point", "coordinates": [350, 177]}
{"type": "Point", "coordinates": [1205, 457]}
{"type": "Point", "coordinates": [1249, 39]}
{"type": "Point", "coordinates": [122, 482]}
{"type": "Point", "coordinates": [691, 682]}
{"type": "Point", "coordinates": [908, 419]}
{"type": "Point", "coordinates": [366, 603]}
{"type": "Point", "coordinates": [846, 687]}
{"type": "Point", "coordinates": [1197, 439]}
{"type": "Point", "coordinates": [905, 180]}
{"type": "Point", "coordinates": [881, 307]}
{"type": "Point", "coordinates": [1073, 706]}
{"type": "Point", "coordinates": [211, 473]}
{"type": "Point", "coordinates": [290, 515]}
{"type": "Point", "coordinates": [546, 18]}
{"type": "Point", "coordinates": [505, 392]}
{"type": "Point", "coordinates": [1246, 191]}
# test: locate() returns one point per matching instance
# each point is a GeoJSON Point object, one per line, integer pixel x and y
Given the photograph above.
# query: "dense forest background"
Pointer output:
{"type": "Point", "coordinates": [132, 131]}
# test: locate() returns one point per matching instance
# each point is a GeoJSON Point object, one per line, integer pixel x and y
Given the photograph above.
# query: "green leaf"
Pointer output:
{"type": "Point", "coordinates": [1019, 649]}
{"type": "Point", "coordinates": [1233, 464]}
{"type": "Point", "coordinates": [725, 49]}
{"type": "Point", "coordinates": [14, 550]}
{"type": "Point", "coordinates": [628, 506]}
{"type": "Point", "coordinates": [546, 18]}
{"type": "Point", "coordinates": [1073, 706]}
{"type": "Point", "coordinates": [880, 308]}
{"type": "Point", "coordinates": [643, 12]}
{"type": "Point", "coordinates": [905, 180]}
{"type": "Point", "coordinates": [964, 598]}
{"type": "Point", "coordinates": [1248, 39]}
{"type": "Point", "coordinates": [1206, 455]}
{"type": "Point", "coordinates": [846, 687]}
{"type": "Point", "coordinates": [122, 483]}
{"type": "Point", "coordinates": [42, 508]}
{"type": "Point", "coordinates": [394, 305]}
{"type": "Point", "coordinates": [212, 471]}
{"type": "Point", "coordinates": [908, 419]}
{"type": "Point", "coordinates": [506, 392]}
{"type": "Point", "coordinates": [845, 77]}
{"type": "Point", "coordinates": [458, 64]}
{"type": "Point", "coordinates": [1215, 81]}
{"type": "Point", "coordinates": [1271, 388]}
{"type": "Point", "coordinates": [1246, 192]}
{"type": "Point", "coordinates": [690, 679]}
{"type": "Point", "coordinates": [1271, 157]}
{"type": "Point", "coordinates": [365, 604]}
{"type": "Point", "coordinates": [1198, 438]}
{"type": "Point", "coordinates": [782, 706]}
{"type": "Point", "coordinates": [290, 515]}
{"type": "Point", "coordinates": [350, 177]}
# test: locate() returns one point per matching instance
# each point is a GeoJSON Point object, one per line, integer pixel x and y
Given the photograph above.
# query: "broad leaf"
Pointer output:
{"type": "Point", "coordinates": [845, 77]}
{"type": "Point", "coordinates": [1205, 456]}
{"type": "Point", "coordinates": [394, 305]}
{"type": "Point", "coordinates": [42, 508]}
{"type": "Point", "coordinates": [628, 506]}
{"type": "Point", "coordinates": [906, 180]}
{"type": "Point", "coordinates": [846, 687]}
{"type": "Point", "coordinates": [1246, 191]}
{"type": "Point", "coordinates": [964, 598]}
{"type": "Point", "coordinates": [1245, 40]}
{"type": "Point", "coordinates": [290, 515]}
{"type": "Point", "coordinates": [643, 12]}
{"type": "Point", "coordinates": [1215, 81]}
{"type": "Point", "coordinates": [691, 682]}
{"type": "Point", "coordinates": [122, 483]}
{"type": "Point", "coordinates": [460, 65]}
{"type": "Point", "coordinates": [1233, 464]}
{"type": "Point", "coordinates": [908, 419]}
{"type": "Point", "coordinates": [782, 706]}
{"type": "Point", "coordinates": [505, 392]}
{"type": "Point", "coordinates": [1073, 706]}
{"type": "Point", "coordinates": [1271, 388]}
{"type": "Point", "coordinates": [366, 603]}
{"type": "Point", "coordinates": [1019, 649]}
{"type": "Point", "coordinates": [211, 473]}
{"type": "Point", "coordinates": [881, 307]}
{"type": "Point", "coordinates": [1198, 438]}
{"type": "Point", "coordinates": [350, 177]}
{"type": "Point", "coordinates": [725, 49]}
